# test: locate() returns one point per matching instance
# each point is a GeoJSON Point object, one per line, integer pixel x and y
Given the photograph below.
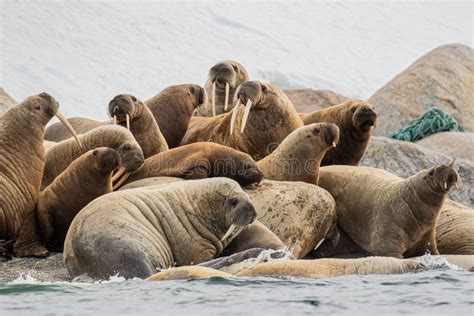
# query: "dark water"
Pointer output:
{"type": "Point", "coordinates": [434, 292]}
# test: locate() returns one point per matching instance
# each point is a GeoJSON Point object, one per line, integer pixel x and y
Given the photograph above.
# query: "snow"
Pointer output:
{"type": "Point", "coordinates": [84, 53]}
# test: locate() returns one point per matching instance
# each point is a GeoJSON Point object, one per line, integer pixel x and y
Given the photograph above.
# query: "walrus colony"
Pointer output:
{"type": "Point", "coordinates": [209, 177]}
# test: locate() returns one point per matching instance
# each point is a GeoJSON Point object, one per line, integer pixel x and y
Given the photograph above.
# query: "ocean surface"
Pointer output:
{"type": "Point", "coordinates": [439, 290]}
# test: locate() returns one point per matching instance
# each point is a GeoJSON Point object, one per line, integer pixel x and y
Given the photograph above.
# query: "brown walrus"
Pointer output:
{"type": "Point", "coordinates": [127, 111]}
{"type": "Point", "coordinates": [299, 156]}
{"type": "Point", "coordinates": [266, 119]}
{"type": "Point", "coordinates": [22, 160]}
{"type": "Point", "coordinates": [134, 232]}
{"type": "Point", "coordinates": [87, 178]}
{"type": "Point", "coordinates": [173, 108]}
{"type": "Point", "coordinates": [222, 83]}
{"type": "Point", "coordinates": [356, 120]}
{"type": "Point", "coordinates": [198, 161]}
{"type": "Point", "coordinates": [61, 155]}
{"type": "Point", "coordinates": [386, 215]}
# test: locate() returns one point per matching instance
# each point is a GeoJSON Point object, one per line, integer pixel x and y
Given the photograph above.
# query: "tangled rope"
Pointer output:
{"type": "Point", "coordinates": [431, 122]}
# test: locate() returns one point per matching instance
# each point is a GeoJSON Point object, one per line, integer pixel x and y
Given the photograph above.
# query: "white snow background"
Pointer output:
{"type": "Point", "coordinates": [84, 53]}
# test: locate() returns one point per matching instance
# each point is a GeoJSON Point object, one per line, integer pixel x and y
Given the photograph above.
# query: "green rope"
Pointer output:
{"type": "Point", "coordinates": [431, 122]}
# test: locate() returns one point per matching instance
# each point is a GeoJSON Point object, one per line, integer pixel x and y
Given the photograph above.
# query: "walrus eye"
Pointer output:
{"type": "Point", "coordinates": [353, 110]}
{"type": "Point", "coordinates": [94, 152]}
{"type": "Point", "coordinates": [431, 173]}
{"type": "Point", "coordinates": [235, 68]}
{"type": "Point", "coordinates": [37, 107]}
{"type": "Point", "coordinates": [134, 99]}
{"type": "Point", "coordinates": [126, 147]}
{"type": "Point", "coordinates": [317, 130]}
{"type": "Point", "coordinates": [233, 201]}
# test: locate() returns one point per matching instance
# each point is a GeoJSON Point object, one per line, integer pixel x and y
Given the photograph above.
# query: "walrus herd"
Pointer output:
{"type": "Point", "coordinates": [194, 182]}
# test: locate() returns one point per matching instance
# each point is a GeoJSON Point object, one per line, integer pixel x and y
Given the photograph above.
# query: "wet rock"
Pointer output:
{"type": "Point", "coordinates": [458, 145]}
{"type": "Point", "coordinates": [308, 100]}
{"type": "Point", "coordinates": [49, 269]}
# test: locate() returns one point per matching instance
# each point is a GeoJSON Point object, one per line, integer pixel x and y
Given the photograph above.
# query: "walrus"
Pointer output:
{"type": "Point", "coordinates": [222, 82]}
{"type": "Point", "coordinates": [198, 161]}
{"type": "Point", "coordinates": [325, 268]}
{"type": "Point", "coordinates": [299, 156]}
{"type": "Point", "coordinates": [126, 110]}
{"type": "Point", "coordinates": [61, 155]}
{"type": "Point", "coordinates": [85, 179]}
{"type": "Point", "coordinates": [386, 215]}
{"type": "Point", "coordinates": [187, 272]}
{"type": "Point", "coordinates": [134, 232]}
{"type": "Point", "coordinates": [173, 108]}
{"type": "Point", "coordinates": [356, 120]}
{"type": "Point", "coordinates": [22, 161]}
{"type": "Point", "coordinates": [266, 119]}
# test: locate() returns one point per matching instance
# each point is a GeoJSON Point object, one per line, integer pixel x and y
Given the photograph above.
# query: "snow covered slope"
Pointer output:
{"type": "Point", "coordinates": [84, 53]}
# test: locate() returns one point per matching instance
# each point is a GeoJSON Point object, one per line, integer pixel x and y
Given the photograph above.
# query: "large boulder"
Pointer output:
{"type": "Point", "coordinates": [458, 145]}
{"type": "Point", "coordinates": [6, 101]}
{"type": "Point", "coordinates": [308, 100]}
{"type": "Point", "coordinates": [444, 78]}
{"type": "Point", "coordinates": [405, 159]}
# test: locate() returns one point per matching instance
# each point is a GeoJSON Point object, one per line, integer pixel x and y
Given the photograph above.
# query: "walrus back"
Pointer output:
{"type": "Point", "coordinates": [58, 132]}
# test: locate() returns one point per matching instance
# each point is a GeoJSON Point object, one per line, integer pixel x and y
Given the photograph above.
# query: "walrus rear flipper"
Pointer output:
{"type": "Point", "coordinates": [6, 248]}
{"type": "Point", "coordinates": [28, 243]}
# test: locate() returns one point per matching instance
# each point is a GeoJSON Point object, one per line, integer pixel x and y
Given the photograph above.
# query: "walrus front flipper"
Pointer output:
{"type": "Point", "coordinates": [28, 244]}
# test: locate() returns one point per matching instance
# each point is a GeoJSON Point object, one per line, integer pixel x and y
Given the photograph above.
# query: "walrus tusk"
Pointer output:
{"type": "Point", "coordinates": [226, 103]}
{"type": "Point", "coordinates": [319, 244]}
{"type": "Point", "coordinates": [248, 107]}
{"type": "Point", "coordinates": [121, 181]}
{"type": "Point", "coordinates": [213, 101]}
{"type": "Point", "coordinates": [234, 116]}
{"type": "Point", "coordinates": [115, 119]}
{"type": "Point", "coordinates": [445, 185]}
{"type": "Point", "coordinates": [229, 232]}
{"type": "Point", "coordinates": [128, 121]}
{"type": "Point", "coordinates": [333, 144]}
{"type": "Point", "coordinates": [457, 185]}
{"type": "Point", "coordinates": [118, 174]}
{"type": "Point", "coordinates": [66, 123]}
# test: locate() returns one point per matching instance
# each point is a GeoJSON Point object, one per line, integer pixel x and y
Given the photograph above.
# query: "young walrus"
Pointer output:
{"type": "Point", "coordinates": [134, 232]}
{"type": "Point", "coordinates": [356, 120]}
{"type": "Point", "coordinates": [386, 215]}
{"type": "Point", "coordinates": [299, 156]}
{"type": "Point", "coordinates": [87, 178]}
{"type": "Point", "coordinates": [198, 161]}
{"type": "Point", "coordinates": [266, 119]}
{"type": "Point", "coordinates": [127, 111]}
{"type": "Point", "coordinates": [222, 82]}
{"type": "Point", "coordinates": [61, 155]}
{"type": "Point", "coordinates": [22, 161]}
{"type": "Point", "coordinates": [173, 108]}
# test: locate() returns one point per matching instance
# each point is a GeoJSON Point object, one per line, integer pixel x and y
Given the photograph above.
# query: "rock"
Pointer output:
{"type": "Point", "coordinates": [405, 159]}
{"type": "Point", "coordinates": [49, 269]}
{"type": "Point", "coordinates": [444, 78]}
{"type": "Point", "coordinates": [456, 145]}
{"type": "Point", "coordinates": [6, 101]}
{"type": "Point", "coordinates": [308, 100]}
{"type": "Point", "coordinates": [299, 213]}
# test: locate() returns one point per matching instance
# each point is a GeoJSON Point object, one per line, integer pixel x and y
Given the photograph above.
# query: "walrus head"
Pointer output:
{"type": "Point", "coordinates": [442, 178]}
{"type": "Point", "coordinates": [104, 159]}
{"type": "Point", "coordinates": [42, 108]}
{"type": "Point", "coordinates": [123, 108]}
{"type": "Point", "coordinates": [131, 159]}
{"type": "Point", "coordinates": [329, 133]}
{"type": "Point", "coordinates": [364, 117]}
{"type": "Point", "coordinates": [226, 75]}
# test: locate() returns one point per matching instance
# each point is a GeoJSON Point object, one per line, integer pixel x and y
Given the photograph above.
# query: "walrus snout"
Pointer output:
{"type": "Point", "coordinates": [244, 214]}
{"type": "Point", "coordinates": [250, 90]}
{"type": "Point", "coordinates": [49, 105]}
{"type": "Point", "coordinates": [221, 74]}
{"type": "Point", "coordinates": [122, 108]}
{"type": "Point", "coordinates": [330, 134]}
{"type": "Point", "coordinates": [446, 177]}
{"type": "Point", "coordinates": [108, 158]}
{"type": "Point", "coordinates": [250, 176]}
{"type": "Point", "coordinates": [365, 117]}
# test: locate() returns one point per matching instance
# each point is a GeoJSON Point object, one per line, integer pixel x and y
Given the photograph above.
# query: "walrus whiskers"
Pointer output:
{"type": "Point", "coordinates": [213, 101]}
{"type": "Point", "coordinates": [119, 183]}
{"type": "Point", "coordinates": [248, 107]}
{"type": "Point", "coordinates": [226, 103]}
{"type": "Point", "coordinates": [229, 232]}
{"type": "Point", "coordinates": [63, 120]}
{"type": "Point", "coordinates": [234, 116]}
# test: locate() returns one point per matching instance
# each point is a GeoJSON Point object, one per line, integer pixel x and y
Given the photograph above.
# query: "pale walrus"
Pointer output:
{"type": "Point", "coordinates": [187, 272]}
{"type": "Point", "coordinates": [386, 215]}
{"type": "Point", "coordinates": [299, 156]}
{"type": "Point", "coordinates": [126, 110]}
{"type": "Point", "coordinates": [221, 85]}
{"type": "Point", "coordinates": [87, 178]}
{"type": "Point", "coordinates": [173, 108]}
{"type": "Point", "coordinates": [199, 161]}
{"type": "Point", "coordinates": [266, 119]}
{"type": "Point", "coordinates": [134, 232]}
{"type": "Point", "coordinates": [356, 120]}
{"type": "Point", "coordinates": [22, 160]}
{"type": "Point", "coordinates": [61, 155]}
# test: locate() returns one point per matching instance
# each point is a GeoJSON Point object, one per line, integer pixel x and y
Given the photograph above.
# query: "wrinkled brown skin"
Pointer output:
{"type": "Point", "coordinates": [61, 155]}
{"type": "Point", "coordinates": [187, 272]}
{"type": "Point", "coordinates": [199, 161]}
{"type": "Point", "coordinates": [142, 124]}
{"type": "Point", "coordinates": [356, 120]}
{"type": "Point", "coordinates": [271, 119]}
{"type": "Point", "coordinates": [134, 232]}
{"type": "Point", "coordinates": [299, 156]}
{"type": "Point", "coordinates": [324, 268]}
{"type": "Point", "coordinates": [21, 169]}
{"type": "Point", "coordinates": [455, 229]}
{"type": "Point", "coordinates": [173, 108]}
{"type": "Point", "coordinates": [87, 178]}
{"type": "Point", "coordinates": [384, 214]}
{"type": "Point", "coordinates": [225, 71]}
